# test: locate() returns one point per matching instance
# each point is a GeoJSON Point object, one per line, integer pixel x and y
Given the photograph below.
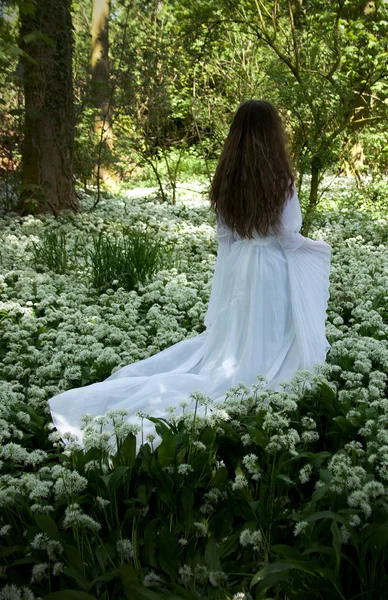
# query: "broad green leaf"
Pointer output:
{"type": "Point", "coordinates": [212, 557]}
{"type": "Point", "coordinates": [48, 526]}
{"type": "Point", "coordinates": [127, 453]}
{"type": "Point", "coordinates": [187, 499]}
{"type": "Point", "coordinates": [166, 450]}
{"type": "Point", "coordinates": [313, 568]}
{"type": "Point", "coordinates": [69, 595]}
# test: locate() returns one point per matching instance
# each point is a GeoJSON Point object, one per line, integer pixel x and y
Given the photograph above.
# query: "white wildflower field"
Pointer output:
{"type": "Point", "coordinates": [269, 495]}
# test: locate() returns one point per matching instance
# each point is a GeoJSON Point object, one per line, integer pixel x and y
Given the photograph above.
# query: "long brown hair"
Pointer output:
{"type": "Point", "coordinates": [254, 176]}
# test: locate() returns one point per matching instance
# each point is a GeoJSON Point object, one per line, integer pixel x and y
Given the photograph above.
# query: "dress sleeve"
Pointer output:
{"type": "Point", "coordinates": [225, 238]}
{"type": "Point", "coordinates": [291, 222]}
{"type": "Point", "coordinates": [309, 270]}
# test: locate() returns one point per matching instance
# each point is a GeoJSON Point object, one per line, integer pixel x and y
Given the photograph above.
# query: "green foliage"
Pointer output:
{"type": "Point", "coordinates": [205, 520]}
{"type": "Point", "coordinates": [269, 494]}
{"type": "Point", "coordinates": [51, 251]}
{"type": "Point", "coordinates": [123, 261]}
{"type": "Point", "coordinates": [127, 261]}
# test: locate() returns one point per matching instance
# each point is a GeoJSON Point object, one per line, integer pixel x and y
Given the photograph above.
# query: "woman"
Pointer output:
{"type": "Point", "coordinates": [269, 297]}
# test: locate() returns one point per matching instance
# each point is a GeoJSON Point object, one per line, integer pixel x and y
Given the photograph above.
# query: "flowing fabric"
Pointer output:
{"type": "Point", "coordinates": [266, 315]}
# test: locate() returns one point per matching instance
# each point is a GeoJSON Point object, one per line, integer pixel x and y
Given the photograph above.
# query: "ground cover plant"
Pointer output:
{"type": "Point", "coordinates": [269, 495]}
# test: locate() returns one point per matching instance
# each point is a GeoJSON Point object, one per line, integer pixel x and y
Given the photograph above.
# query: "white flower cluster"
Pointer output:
{"type": "Point", "coordinates": [59, 333]}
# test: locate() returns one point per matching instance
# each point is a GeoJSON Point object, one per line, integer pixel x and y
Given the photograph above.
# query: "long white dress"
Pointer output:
{"type": "Point", "coordinates": [266, 315]}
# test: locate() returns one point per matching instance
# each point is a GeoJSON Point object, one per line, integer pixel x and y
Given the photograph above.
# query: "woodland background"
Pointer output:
{"type": "Point", "coordinates": [100, 93]}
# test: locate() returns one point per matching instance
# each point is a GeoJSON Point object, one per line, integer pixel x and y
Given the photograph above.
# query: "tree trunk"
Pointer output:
{"type": "Point", "coordinates": [313, 198]}
{"type": "Point", "coordinates": [47, 153]}
{"type": "Point", "coordinates": [100, 88]}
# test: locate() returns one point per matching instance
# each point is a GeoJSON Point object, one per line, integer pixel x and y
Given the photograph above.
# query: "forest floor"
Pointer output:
{"type": "Point", "coordinates": [310, 466]}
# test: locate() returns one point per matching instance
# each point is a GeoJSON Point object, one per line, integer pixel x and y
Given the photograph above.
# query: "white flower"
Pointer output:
{"type": "Point", "coordinates": [201, 529]}
{"type": "Point", "coordinates": [354, 521]}
{"type": "Point", "coordinates": [299, 527]}
{"type": "Point", "coordinates": [5, 530]}
{"type": "Point", "coordinates": [186, 573]}
{"type": "Point", "coordinates": [124, 549]}
{"type": "Point", "coordinates": [305, 473]}
{"type": "Point", "coordinates": [10, 592]}
{"type": "Point", "coordinates": [182, 541]}
{"type": "Point", "coordinates": [152, 579]}
{"type": "Point", "coordinates": [58, 568]}
{"type": "Point", "coordinates": [184, 469]}
{"type": "Point", "coordinates": [249, 537]}
{"type": "Point", "coordinates": [201, 573]}
{"type": "Point", "coordinates": [217, 577]}
{"type": "Point", "coordinates": [200, 446]}
{"type": "Point", "coordinates": [39, 572]}
{"type": "Point", "coordinates": [345, 535]}
{"type": "Point", "coordinates": [101, 502]}
{"type": "Point", "coordinates": [74, 517]}
{"type": "Point", "coordinates": [250, 463]}
{"type": "Point", "coordinates": [239, 483]}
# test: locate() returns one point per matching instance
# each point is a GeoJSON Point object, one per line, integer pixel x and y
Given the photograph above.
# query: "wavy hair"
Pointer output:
{"type": "Point", "coordinates": [254, 175]}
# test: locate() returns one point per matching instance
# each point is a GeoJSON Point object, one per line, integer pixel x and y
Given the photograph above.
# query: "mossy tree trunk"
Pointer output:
{"type": "Point", "coordinates": [100, 87]}
{"type": "Point", "coordinates": [47, 154]}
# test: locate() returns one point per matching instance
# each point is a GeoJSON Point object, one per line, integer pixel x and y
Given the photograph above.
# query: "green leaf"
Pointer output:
{"type": "Point", "coordinates": [166, 450]}
{"type": "Point", "coordinates": [102, 557]}
{"type": "Point", "coordinates": [258, 436]}
{"type": "Point", "coordinates": [337, 542]}
{"type": "Point", "coordinates": [168, 550]}
{"type": "Point", "coordinates": [74, 557]}
{"type": "Point", "coordinates": [127, 575]}
{"type": "Point", "coordinates": [345, 425]}
{"type": "Point", "coordinates": [222, 522]}
{"type": "Point", "coordinates": [313, 568]}
{"type": "Point", "coordinates": [324, 514]}
{"type": "Point", "coordinates": [212, 557]}
{"type": "Point", "coordinates": [69, 595]}
{"type": "Point", "coordinates": [150, 543]}
{"type": "Point", "coordinates": [127, 453]}
{"type": "Point", "coordinates": [135, 591]}
{"type": "Point", "coordinates": [116, 477]}
{"type": "Point", "coordinates": [161, 426]}
{"type": "Point", "coordinates": [76, 576]}
{"type": "Point", "coordinates": [187, 499]}
{"type": "Point", "coordinates": [48, 526]}
{"type": "Point", "coordinates": [165, 483]}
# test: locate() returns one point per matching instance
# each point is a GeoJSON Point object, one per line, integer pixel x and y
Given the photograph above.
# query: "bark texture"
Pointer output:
{"type": "Point", "coordinates": [100, 87]}
{"type": "Point", "coordinates": [48, 145]}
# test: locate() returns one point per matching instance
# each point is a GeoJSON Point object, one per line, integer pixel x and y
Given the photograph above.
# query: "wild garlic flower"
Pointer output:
{"type": "Point", "coordinates": [239, 483]}
{"type": "Point", "coordinates": [201, 529]}
{"type": "Point", "coordinates": [152, 579]}
{"type": "Point", "coordinates": [300, 527]}
{"type": "Point", "coordinates": [217, 578]}
{"type": "Point", "coordinates": [74, 517]}
{"type": "Point", "coordinates": [39, 572]}
{"type": "Point", "coordinates": [185, 573]}
{"type": "Point", "coordinates": [124, 549]}
{"type": "Point", "coordinates": [305, 473]}
{"type": "Point", "coordinates": [184, 469]}
{"type": "Point", "coordinates": [102, 502]}
{"type": "Point", "coordinates": [5, 529]}
{"type": "Point", "coordinates": [251, 538]}
{"type": "Point", "coordinates": [182, 541]}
